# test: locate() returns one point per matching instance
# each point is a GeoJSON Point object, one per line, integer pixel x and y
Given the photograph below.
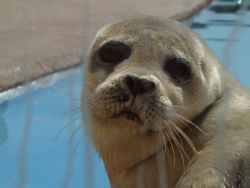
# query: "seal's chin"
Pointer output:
{"type": "Point", "coordinates": [130, 115]}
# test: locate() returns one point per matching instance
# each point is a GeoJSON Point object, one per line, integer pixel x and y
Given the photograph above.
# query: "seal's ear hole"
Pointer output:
{"type": "Point", "coordinates": [113, 52]}
{"type": "Point", "coordinates": [178, 69]}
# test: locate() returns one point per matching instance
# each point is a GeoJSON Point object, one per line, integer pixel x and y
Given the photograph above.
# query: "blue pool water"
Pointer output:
{"type": "Point", "coordinates": [56, 155]}
{"type": "Point", "coordinates": [50, 145]}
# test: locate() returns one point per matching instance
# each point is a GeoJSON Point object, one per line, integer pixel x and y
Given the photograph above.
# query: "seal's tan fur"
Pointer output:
{"type": "Point", "coordinates": [176, 144]}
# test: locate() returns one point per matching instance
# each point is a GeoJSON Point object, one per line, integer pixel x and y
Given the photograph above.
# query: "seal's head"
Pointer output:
{"type": "Point", "coordinates": [145, 78]}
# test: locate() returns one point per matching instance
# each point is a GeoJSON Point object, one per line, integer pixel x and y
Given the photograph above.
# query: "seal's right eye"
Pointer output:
{"type": "Point", "coordinates": [113, 52]}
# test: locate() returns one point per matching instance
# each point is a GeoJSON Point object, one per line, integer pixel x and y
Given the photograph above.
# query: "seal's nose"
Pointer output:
{"type": "Point", "coordinates": [138, 85]}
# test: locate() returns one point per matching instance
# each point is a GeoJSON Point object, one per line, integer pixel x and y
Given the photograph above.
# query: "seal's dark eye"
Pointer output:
{"type": "Point", "coordinates": [113, 52]}
{"type": "Point", "coordinates": [178, 69]}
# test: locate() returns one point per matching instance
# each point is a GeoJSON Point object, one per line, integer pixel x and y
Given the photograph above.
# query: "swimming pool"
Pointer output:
{"type": "Point", "coordinates": [43, 124]}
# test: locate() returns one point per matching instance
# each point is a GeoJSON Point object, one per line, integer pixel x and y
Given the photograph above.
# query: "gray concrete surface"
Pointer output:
{"type": "Point", "coordinates": [39, 37]}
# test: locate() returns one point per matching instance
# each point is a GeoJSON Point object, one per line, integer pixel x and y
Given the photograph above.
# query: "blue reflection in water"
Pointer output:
{"type": "Point", "coordinates": [50, 144]}
{"type": "Point", "coordinates": [48, 150]}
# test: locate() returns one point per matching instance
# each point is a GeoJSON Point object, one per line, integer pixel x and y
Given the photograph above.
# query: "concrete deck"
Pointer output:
{"type": "Point", "coordinates": [39, 37]}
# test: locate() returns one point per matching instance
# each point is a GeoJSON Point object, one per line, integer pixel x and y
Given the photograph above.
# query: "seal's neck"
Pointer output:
{"type": "Point", "coordinates": [164, 168]}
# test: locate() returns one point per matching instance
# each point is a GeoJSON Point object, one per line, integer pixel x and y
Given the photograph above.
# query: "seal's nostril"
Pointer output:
{"type": "Point", "coordinates": [131, 82]}
{"type": "Point", "coordinates": [148, 85]}
{"type": "Point", "coordinates": [138, 85]}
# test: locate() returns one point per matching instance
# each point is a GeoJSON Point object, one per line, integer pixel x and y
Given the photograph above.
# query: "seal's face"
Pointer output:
{"type": "Point", "coordinates": [144, 76]}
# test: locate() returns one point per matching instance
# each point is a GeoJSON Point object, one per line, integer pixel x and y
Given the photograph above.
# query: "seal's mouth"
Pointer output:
{"type": "Point", "coordinates": [130, 115]}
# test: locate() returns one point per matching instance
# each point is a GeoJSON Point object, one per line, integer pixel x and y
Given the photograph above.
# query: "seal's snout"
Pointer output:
{"type": "Point", "coordinates": [137, 85]}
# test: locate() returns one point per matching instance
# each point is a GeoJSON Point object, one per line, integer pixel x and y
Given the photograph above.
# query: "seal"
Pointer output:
{"type": "Point", "coordinates": [162, 111]}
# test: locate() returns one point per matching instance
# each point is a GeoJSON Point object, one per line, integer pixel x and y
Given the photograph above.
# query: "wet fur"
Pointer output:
{"type": "Point", "coordinates": [193, 135]}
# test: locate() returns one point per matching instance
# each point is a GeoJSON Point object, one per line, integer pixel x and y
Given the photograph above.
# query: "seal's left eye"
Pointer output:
{"type": "Point", "coordinates": [179, 69]}
{"type": "Point", "coordinates": [113, 52]}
